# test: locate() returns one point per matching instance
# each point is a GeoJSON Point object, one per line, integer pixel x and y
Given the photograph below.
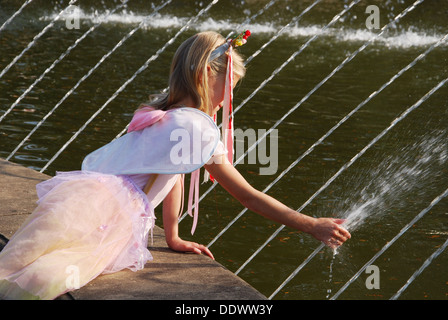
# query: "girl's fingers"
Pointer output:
{"type": "Point", "coordinates": [339, 235]}
{"type": "Point", "coordinates": [209, 253]}
{"type": "Point", "coordinates": [199, 249]}
{"type": "Point", "coordinates": [341, 232]}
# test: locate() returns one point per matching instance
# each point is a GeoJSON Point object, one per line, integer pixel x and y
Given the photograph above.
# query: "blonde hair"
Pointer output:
{"type": "Point", "coordinates": [188, 70]}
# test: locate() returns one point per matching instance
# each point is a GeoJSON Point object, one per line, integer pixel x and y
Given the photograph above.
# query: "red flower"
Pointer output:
{"type": "Point", "coordinates": [246, 34]}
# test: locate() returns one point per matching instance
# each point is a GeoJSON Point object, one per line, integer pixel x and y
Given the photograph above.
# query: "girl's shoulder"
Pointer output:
{"type": "Point", "coordinates": [192, 118]}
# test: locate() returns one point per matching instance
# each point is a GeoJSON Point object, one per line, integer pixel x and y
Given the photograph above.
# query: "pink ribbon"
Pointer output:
{"type": "Point", "coordinates": [194, 189]}
{"type": "Point", "coordinates": [145, 117]}
{"type": "Point", "coordinates": [227, 112]}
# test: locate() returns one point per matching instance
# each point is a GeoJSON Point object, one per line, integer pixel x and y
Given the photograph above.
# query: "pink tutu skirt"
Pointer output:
{"type": "Point", "coordinates": [85, 224]}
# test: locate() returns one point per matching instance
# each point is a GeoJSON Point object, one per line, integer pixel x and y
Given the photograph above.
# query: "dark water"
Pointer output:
{"type": "Point", "coordinates": [384, 189]}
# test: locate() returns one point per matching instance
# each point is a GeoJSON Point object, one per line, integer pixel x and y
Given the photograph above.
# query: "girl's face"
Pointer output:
{"type": "Point", "coordinates": [216, 84]}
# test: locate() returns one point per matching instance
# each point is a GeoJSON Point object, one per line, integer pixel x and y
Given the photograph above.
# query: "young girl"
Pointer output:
{"type": "Point", "coordinates": [97, 220]}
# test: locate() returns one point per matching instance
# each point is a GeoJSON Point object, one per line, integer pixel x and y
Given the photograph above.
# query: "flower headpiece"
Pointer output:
{"type": "Point", "coordinates": [238, 41]}
{"type": "Point", "coordinates": [241, 39]}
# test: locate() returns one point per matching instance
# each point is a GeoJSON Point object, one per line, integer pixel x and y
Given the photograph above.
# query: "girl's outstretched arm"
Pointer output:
{"type": "Point", "coordinates": [171, 208]}
{"type": "Point", "coordinates": [328, 230]}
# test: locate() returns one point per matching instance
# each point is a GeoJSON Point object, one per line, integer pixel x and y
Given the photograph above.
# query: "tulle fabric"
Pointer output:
{"type": "Point", "coordinates": [85, 224]}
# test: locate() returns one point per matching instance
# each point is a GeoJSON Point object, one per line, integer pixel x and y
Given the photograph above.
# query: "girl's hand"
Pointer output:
{"type": "Point", "coordinates": [171, 208]}
{"type": "Point", "coordinates": [188, 246]}
{"type": "Point", "coordinates": [330, 232]}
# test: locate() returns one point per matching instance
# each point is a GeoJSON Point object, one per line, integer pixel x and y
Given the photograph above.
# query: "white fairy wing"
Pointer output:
{"type": "Point", "coordinates": [181, 142]}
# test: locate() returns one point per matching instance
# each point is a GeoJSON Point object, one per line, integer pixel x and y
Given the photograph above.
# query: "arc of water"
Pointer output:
{"type": "Point", "coordinates": [420, 270]}
{"type": "Point", "coordinates": [40, 34]}
{"type": "Point", "coordinates": [403, 230]}
{"type": "Point", "coordinates": [329, 132]}
{"type": "Point", "coordinates": [124, 85]}
{"type": "Point", "coordinates": [62, 56]}
{"type": "Point", "coordinates": [15, 14]}
{"type": "Point", "coordinates": [343, 168]}
{"type": "Point", "coordinates": [274, 73]}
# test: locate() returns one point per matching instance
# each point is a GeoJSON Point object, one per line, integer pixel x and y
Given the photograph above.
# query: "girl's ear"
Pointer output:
{"type": "Point", "coordinates": [209, 69]}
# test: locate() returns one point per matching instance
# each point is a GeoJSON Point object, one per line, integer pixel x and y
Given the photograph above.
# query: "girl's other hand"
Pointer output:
{"type": "Point", "coordinates": [188, 246]}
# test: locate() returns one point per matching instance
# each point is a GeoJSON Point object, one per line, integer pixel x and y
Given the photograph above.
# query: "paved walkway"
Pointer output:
{"type": "Point", "coordinates": [171, 276]}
